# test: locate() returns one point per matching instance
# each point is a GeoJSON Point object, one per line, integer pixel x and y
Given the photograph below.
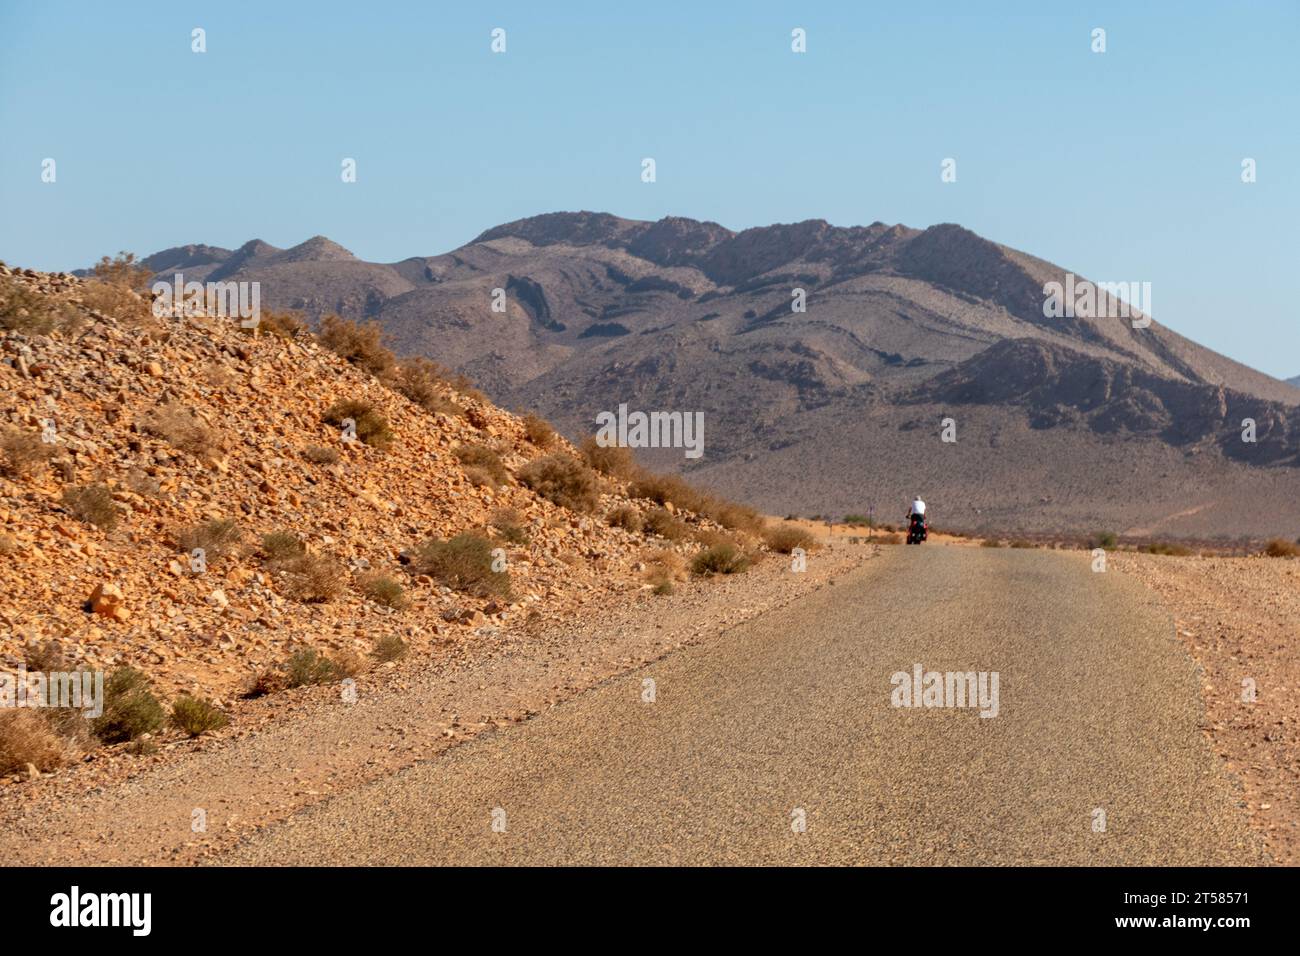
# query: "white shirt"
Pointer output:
{"type": "Point", "coordinates": [918, 507]}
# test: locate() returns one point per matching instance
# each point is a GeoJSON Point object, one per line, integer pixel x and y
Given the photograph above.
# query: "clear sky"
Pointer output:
{"type": "Point", "coordinates": [1123, 165]}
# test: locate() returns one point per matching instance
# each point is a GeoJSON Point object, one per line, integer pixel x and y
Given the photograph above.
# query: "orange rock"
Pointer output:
{"type": "Point", "coordinates": [107, 600]}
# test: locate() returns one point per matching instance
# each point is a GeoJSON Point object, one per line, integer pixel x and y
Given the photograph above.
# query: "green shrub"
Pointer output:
{"type": "Point", "coordinates": [307, 666]}
{"type": "Point", "coordinates": [196, 716]}
{"type": "Point", "coordinates": [130, 708]}
{"type": "Point", "coordinates": [1104, 539]}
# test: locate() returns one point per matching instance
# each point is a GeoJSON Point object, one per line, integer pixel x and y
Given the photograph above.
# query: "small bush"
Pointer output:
{"type": "Point", "coordinates": [92, 504]}
{"type": "Point", "coordinates": [45, 656]}
{"type": "Point", "coordinates": [389, 647]}
{"type": "Point", "coordinates": [320, 455]}
{"type": "Point", "coordinates": [218, 538]}
{"type": "Point", "coordinates": [1104, 539]}
{"type": "Point", "coordinates": [312, 578]}
{"type": "Point", "coordinates": [24, 310]}
{"type": "Point", "coordinates": [663, 567]}
{"type": "Point", "coordinates": [509, 523]}
{"type": "Point", "coordinates": [1022, 543]}
{"type": "Point", "coordinates": [383, 590]}
{"type": "Point", "coordinates": [733, 517]}
{"type": "Point", "coordinates": [307, 666]}
{"type": "Point", "coordinates": [991, 543]}
{"type": "Point", "coordinates": [182, 429]}
{"type": "Point", "coordinates": [627, 518]}
{"type": "Point", "coordinates": [358, 344]}
{"type": "Point", "coordinates": [1162, 547]}
{"type": "Point", "coordinates": [463, 563]}
{"type": "Point", "coordinates": [612, 460]}
{"type": "Point", "coordinates": [562, 480]}
{"type": "Point", "coordinates": [26, 737]}
{"type": "Point", "coordinates": [660, 521]}
{"type": "Point", "coordinates": [283, 325]}
{"type": "Point", "coordinates": [859, 521]}
{"type": "Point", "coordinates": [722, 558]}
{"type": "Point", "coordinates": [23, 452]}
{"type": "Point", "coordinates": [196, 716]}
{"type": "Point", "coordinates": [123, 270]}
{"type": "Point", "coordinates": [538, 431]}
{"type": "Point", "coordinates": [1278, 548]}
{"type": "Point", "coordinates": [663, 489]}
{"type": "Point", "coordinates": [425, 383]}
{"type": "Point", "coordinates": [130, 708]}
{"type": "Point", "coordinates": [785, 538]}
{"type": "Point", "coordinates": [483, 465]}
{"type": "Point", "coordinates": [281, 546]}
{"type": "Point", "coordinates": [372, 427]}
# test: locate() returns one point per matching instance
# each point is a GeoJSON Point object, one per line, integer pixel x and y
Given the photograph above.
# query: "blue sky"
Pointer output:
{"type": "Point", "coordinates": [1120, 166]}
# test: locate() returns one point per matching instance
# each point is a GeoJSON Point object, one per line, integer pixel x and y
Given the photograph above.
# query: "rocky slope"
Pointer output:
{"type": "Point", "coordinates": [254, 450]}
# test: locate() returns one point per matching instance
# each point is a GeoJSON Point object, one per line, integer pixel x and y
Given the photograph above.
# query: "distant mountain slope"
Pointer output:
{"type": "Point", "coordinates": [688, 315]}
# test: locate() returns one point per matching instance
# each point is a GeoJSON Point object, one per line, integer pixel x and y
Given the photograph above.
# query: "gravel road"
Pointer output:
{"type": "Point", "coordinates": [787, 720]}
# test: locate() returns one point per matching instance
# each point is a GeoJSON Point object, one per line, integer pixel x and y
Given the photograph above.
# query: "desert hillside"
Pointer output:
{"type": "Point", "coordinates": [131, 441]}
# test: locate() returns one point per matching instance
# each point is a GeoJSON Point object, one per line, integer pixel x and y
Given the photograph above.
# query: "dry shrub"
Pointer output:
{"type": "Point", "coordinates": [383, 590]}
{"type": "Point", "coordinates": [509, 523]}
{"type": "Point", "coordinates": [372, 427]}
{"type": "Point", "coordinates": [482, 465]}
{"type": "Point", "coordinates": [722, 558]}
{"type": "Point", "coordinates": [665, 489]}
{"type": "Point", "coordinates": [130, 708]}
{"type": "Point", "coordinates": [613, 460]}
{"type": "Point", "coordinates": [785, 538]}
{"type": "Point", "coordinates": [182, 429]}
{"type": "Point", "coordinates": [389, 647]}
{"type": "Point", "coordinates": [320, 455]}
{"type": "Point", "coordinates": [538, 431]}
{"type": "Point", "coordinates": [463, 563]}
{"type": "Point", "coordinates": [24, 310]}
{"type": "Point", "coordinates": [312, 578]}
{"type": "Point", "coordinates": [663, 567]}
{"type": "Point", "coordinates": [120, 302]}
{"type": "Point", "coordinates": [92, 504]}
{"type": "Point", "coordinates": [562, 480]}
{"type": "Point", "coordinates": [26, 737]}
{"type": "Point", "coordinates": [732, 516]}
{"type": "Point", "coordinates": [218, 538]}
{"type": "Point", "coordinates": [1022, 543]}
{"type": "Point", "coordinates": [359, 344]}
{"type": "Point", "coordinates": [279, 547]}
{"type": "Point", "coordinates": [123, 270]}
{"type": "Point", "coordinates": [625, 517]}
{"type": "Point", "coordinates": [196, 716]}
{"type": "Point", "coordinates": [661, 521]}
{"type": "Point", "coordinates": [283, 325]}
{"type": "Point", "coordinates": [307, 666]}
{"type": "Point", "coordinates": [425, 383]}
{"type": "Point", "coordinates": [23, 452]}
{"type": "Point", "coordinates": [1279, 548]}
{"type": "Point", "coordinates": [991, 543]}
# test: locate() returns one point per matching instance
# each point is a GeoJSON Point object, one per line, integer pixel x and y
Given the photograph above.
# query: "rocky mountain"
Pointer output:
{"type": "Point", "coordinates": [838, 406]}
